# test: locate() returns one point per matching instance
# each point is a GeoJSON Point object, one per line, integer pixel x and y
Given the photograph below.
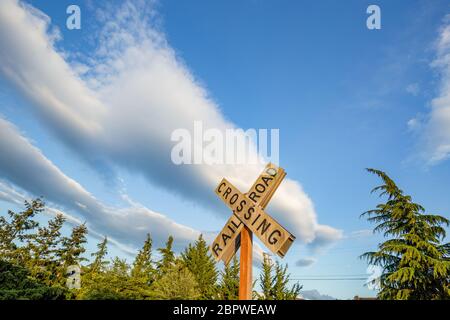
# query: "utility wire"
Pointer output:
{"type": "Point", "coordinates": [329, 279]}
{"type": "Point", "coordinates": [332, 275]}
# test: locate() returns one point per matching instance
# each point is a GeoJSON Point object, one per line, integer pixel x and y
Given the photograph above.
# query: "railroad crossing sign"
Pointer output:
{"type": "Point", "coordinates": [249, 217]}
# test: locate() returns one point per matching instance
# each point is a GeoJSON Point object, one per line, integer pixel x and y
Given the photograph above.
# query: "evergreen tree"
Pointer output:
{"type": "Point", "coordinates": [43, 264]}
{"type": "Point", "coordinates": [177, 283]}
{"type": "Point", "coordinates": [70, 253]}
{"type": "Point", "coordinates": [94, 284]}
{"type": "Point", "coordinates": [203, 266]}
{"type": "Point", "coordinates": [143, 273]}
{"type": "Point", "coordinates": [113, 283]}
{"type": "Point", "coordinates": [274, 282]}
{"type": "Point", "coordinates": [99, 263]}
{"type": "Point", "coordinates": [73, 247]}
{"type": "Point", "coordinates": [229, 284]}
{"type": "Point", "coordinates": [17, 231]}
{"type": "Point", "coordinates": [143, 269]}
{"type": "Point", "coordinates": [167, 257]}
{"type": "Point", "coordinates": [416, 265]}
{"type": "Point", "coordinates": [281, 291]}
{"type": "Point", "coordinates": [266, 280]}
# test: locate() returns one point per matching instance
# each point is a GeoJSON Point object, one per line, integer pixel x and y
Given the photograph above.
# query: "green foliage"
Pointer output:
{"type": "Point", "coordinates": [114, 283]}
{"type": "Point", "coordinates": [274, 282]}
{"type": "Point", "coordinates": [30, 256]}
{"type": "Point", "coordinates": [43, 246]}
{"type": "Point", "coordinates": [103, 282]}
{"type": "Point", "coordinates": [202, 265]}
{"type": "Point", "coordinates": [416, 265]}
{"type": "Point", "coordinates": [143, 270]}
{"type": "Point", "coordinates": [34, 261]}
{"type": "Point", "coordinates": [73, 247]}
{"type": "Point", "coordinates": [17, 230]}
{"type": "Point", "coordinates": [168, 258]}
{"type": "Point", "coordinates": [178, 283]}
{"type": "Point", "coordinates": [266, 280]}
{"type": "Point", "coordinates": [229, 284]}
{"type": "Point", "coordinates": [281, 291]}
{"type": "Point", "coordinates": [100, 263]}
{"type": "Point", "coordinates": [16, 283]}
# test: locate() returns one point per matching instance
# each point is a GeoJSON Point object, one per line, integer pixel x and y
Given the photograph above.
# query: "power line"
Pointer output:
{"type": "Point", "coordinates": [328, 279]}
{"type": "Point", "coordinates": [333, 275]}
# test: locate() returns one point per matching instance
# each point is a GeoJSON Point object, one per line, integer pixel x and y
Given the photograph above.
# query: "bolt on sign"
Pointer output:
{"type": "Point", "coordinates": [248, 210]}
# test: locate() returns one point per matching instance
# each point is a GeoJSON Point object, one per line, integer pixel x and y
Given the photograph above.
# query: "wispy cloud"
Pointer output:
{"type": "Point", "coordinates": [435, 129]}
{"type": "Point", "coordinates": [134, 93]}
{"type": "Point", "coordinates": [360, 234]}
{"type": "Point", "coordinates": [25, 166]}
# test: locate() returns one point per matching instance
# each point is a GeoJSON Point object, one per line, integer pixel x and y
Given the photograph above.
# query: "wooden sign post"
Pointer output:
{"type": "Point", "coordinates": [245, 266]}
{"type": "Point", "coordinates": [249, 217]}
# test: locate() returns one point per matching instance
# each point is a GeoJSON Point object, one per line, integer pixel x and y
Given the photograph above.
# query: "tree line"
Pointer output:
{"type": "Point", "coordinates": [34, 261]}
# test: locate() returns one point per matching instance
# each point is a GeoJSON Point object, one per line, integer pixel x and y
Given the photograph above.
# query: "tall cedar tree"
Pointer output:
{"type": "Point", "coordinates": [203, 266]}
{"type": "Point", "coordinates": [143, 269]}
{"type": "Point", "coordinates": [281, 289]}
{"type": "Point", "coordinates": [229, 283]}
{"type": "Point", "coordinates": [17, 231]}
{"type": "Point", "coordinates": [266, 280]}
{"type": "Point", "coordinates": [100, 263]}
{"type": "Point", "coordinates": [94, 284]}
{"type": "Point", "coordinates": [73, 247]}
{"type": "Point", "coordinates": [71, 250]}
{"type": "Point", "coordinates": [274, 282]}
{"type": "Point", "coordinates": [416, 265]}
{"type": "Point", "coordinates": [44, 244]}
{"type": "Point", "coordinates": [167, 257]}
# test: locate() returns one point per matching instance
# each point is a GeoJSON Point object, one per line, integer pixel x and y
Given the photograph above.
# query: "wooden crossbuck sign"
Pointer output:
{"type": "Point", "coordinates": [249, 217]}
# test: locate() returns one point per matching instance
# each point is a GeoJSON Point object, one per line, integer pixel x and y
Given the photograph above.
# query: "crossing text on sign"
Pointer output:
{"type": "Point", "coordinates": [227, 241]}
{"type": "Point", "coordinates": [274, 236]}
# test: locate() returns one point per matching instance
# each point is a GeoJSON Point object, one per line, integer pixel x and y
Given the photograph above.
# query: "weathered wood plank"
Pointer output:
{"type": "Point", "coordinates": [267, 229]}
{"type": "Point", "coordinates": [227, 241]}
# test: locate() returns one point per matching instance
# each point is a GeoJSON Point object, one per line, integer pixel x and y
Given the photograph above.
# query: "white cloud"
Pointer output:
{"type": "Point", "coordinates": [435, 134]}
{"type": "Point", "coordinates": [25, 166]}
{"type": "Point", "coordinates": [9, 194]}
{"type": "Point", "coordinates": [325, 237]}
{"type": "Point", "coordinates": [134, 93]}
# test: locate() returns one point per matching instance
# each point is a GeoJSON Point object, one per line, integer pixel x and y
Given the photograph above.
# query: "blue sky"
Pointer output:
{"type": "Point", "coordinates": [344, 98]}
